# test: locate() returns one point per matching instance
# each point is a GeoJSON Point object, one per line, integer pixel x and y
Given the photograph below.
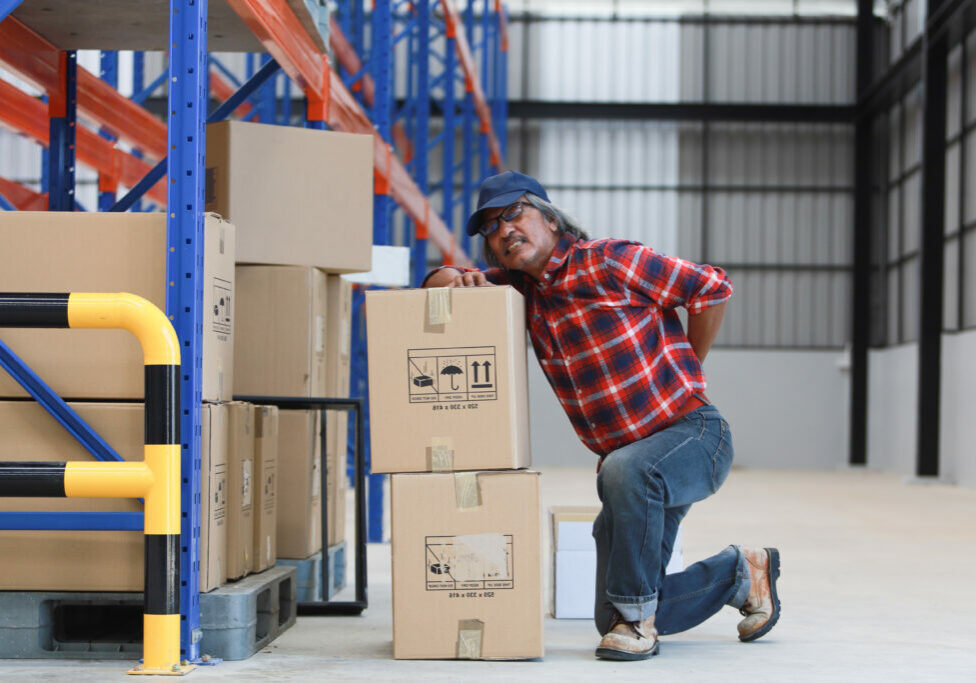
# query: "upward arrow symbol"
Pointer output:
{"type": "Point", "coordinates": [475, 365]}
{"type": "Point", "coordinates": [487, 375]}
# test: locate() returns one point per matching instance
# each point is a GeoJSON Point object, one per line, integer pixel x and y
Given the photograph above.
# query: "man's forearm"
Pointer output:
{"type": "Point", "coordinates": [703, 328]}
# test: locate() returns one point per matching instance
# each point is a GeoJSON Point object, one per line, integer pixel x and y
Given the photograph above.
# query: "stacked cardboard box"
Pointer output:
{"type": "Point", "coordinates": [292, 342]}
{"type": "Point", "coordinates": [449, 419]}
{"type": "Point", "coordinates": [301, 220]}
{"type": "Point", "coordinates": [114, 252]}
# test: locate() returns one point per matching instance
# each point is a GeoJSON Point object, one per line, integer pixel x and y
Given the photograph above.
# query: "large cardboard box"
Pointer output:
{"type": "Point", "coordinates": [574, 560]}
{"type": "Point", "coordinates": [51, 251]}
{"type": "Point", "coordinates": [90, 560]}
{"type": "Point", "coordinates": [214, 490]}
{"type": "Point", "coordinates": [265, 487]}
{"type": "Point", "coordinates": [299, 483]}
{"type": "Point", "coordinates": [280, 338]}
{"type": "Point", "coordinates": [297, 196]}
{"type": "Point", "coordinates": [467, 572]}
{"type": "Point", "coordinates": [240, 489]}
{"type": "Point", "coordinates": [447, 379]}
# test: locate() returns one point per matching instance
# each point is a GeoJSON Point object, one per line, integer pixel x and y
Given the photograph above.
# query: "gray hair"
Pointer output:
{"type": "Point", "coordinates": [564, 224]}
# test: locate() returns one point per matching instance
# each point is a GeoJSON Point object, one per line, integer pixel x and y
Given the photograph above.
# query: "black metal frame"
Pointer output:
{"type": "Point", "coordinates": [683, 111]}
{"type": "Point", "coordinates": [327, 607]}
{"type": "Point", "coordinates": [924, 61]}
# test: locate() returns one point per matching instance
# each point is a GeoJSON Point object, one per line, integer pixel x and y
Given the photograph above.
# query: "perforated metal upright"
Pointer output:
{"type": "Point", "coordinates": [186, 113]}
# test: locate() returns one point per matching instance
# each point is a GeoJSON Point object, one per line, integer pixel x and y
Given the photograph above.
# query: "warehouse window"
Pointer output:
{"type": "Point", "coordinates": [960, 206]}
{"type": "Point", "coordinates": [897, 234]}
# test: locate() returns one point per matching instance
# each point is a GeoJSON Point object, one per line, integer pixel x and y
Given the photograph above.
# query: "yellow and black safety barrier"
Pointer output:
{"type": "Point", "coordinates": [157, 478]}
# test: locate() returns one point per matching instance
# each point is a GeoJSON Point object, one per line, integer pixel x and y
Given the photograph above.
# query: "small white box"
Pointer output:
{"type": "Point", "coordinates": [574, 561]}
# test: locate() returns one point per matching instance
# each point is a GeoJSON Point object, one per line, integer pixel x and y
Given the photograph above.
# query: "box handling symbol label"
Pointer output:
{"type": "Point", "coordinates": [452, 564]}
{"type": "Point", "coordinates": [452, 374]}
{"type": "Point", "coordinates": [221, 306]}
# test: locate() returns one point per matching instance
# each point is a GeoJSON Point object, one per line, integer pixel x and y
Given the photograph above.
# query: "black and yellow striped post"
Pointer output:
{"type": "Point", "coordinates": [157, 478]}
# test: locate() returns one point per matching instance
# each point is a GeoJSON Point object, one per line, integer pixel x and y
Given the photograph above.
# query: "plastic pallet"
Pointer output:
{"type": "Point", "coordinates": [236, 620]}
{"type": "Point", "coordinates": [70, 625]}
{"type": "Point", "coordinates": [240, 618]}
{"type": "Point", "coordinates": [309, 573]}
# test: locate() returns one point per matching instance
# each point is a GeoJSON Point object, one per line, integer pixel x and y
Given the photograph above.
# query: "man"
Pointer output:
{"type": "Point", "coordinates": [601, 315]}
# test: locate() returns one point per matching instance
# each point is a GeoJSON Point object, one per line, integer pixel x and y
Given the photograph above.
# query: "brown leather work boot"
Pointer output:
{"type": "Point", "coordinates": [761, 608]}
{"type": "Point", "coordinates": [628, 640]}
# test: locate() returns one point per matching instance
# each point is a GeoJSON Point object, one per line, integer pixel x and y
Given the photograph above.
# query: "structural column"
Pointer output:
{"type": "Point", "coordinates": [932, 256]}
{"type": "Point", "coordinates": [860, 306]}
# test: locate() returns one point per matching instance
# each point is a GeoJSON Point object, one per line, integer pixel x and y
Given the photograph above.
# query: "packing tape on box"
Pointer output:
{"type": "Point", "coordinates": [470, 634]}
{"type": "Point", "coordinates": [438, 305]}
{"type": "Point", "coordinates": [440, 454]}
{"type": "Point", "coordinates": [467, 493]}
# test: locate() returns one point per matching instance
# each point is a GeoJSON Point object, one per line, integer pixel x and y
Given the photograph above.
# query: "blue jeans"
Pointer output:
{"type": "Point", "coordinates": [646, 488]}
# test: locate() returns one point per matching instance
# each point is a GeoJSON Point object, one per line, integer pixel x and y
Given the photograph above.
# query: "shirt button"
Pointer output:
{"type": "Point", "coordinates": [546, 276]}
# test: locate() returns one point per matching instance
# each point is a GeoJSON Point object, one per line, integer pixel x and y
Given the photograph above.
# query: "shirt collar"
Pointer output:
{"type": "Point", "coordinates": [560, 252]}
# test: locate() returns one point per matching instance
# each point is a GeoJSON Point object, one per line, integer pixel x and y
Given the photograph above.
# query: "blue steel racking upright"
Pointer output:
{"type": "Point", "coordinates": [186, 78]}
{"type": "Point", "coordinates": [186, 111]}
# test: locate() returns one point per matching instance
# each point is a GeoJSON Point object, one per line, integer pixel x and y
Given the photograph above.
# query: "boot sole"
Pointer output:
{"type": "Point", "coordinates": [624, 656]}
{"type": "Point", "coordinates": [773, 575]}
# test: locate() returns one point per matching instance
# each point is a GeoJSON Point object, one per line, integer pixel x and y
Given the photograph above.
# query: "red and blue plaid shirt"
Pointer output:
{"type": "Point", "coordinates": [606, 333]}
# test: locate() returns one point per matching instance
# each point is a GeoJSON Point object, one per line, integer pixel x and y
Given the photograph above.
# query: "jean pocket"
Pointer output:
{"type": "Point", "coordinates": [722, 458]}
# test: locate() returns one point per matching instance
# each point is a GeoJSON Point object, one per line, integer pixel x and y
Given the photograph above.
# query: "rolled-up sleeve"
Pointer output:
{"type": "Point", "coordinates": [668, 281]}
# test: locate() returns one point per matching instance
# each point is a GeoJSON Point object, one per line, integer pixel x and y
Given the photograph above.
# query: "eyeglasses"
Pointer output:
{"type": "Point", "coordinates": [508, 215]}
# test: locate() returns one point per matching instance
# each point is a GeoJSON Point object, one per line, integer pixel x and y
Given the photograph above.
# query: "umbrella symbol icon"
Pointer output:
{"type": "Point", "coordinates": [452, 370]}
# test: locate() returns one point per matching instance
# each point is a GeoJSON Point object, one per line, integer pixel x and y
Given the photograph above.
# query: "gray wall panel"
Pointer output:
{"type": "Point", "coordinates": [957, 458]}
{"type": "Point", "coordinates": [892, 414]}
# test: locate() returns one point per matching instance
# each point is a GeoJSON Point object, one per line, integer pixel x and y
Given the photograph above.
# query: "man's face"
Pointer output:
{"type": "Point", "coordinates": [526, 242]}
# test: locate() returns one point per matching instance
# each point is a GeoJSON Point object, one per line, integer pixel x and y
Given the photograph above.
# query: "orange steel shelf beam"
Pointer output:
{"type": "Point", "coordinates": [284, 37]}
{"type": "Point", "coordinates": [36, 60]}
{"type": "Point", "coordinates": [472, 83]}
{"type": "Point", "coordinates": [24, 198]}
{"type": "Point", "coordinates": [29, 115]}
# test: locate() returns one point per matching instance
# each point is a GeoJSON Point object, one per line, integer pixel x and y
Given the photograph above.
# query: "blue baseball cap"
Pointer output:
{"type": "Point", "coordinates": [501, 190]}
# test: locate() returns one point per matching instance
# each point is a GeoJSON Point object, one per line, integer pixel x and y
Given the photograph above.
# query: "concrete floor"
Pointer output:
{"type": "Point", "coordinates": [877, 584]}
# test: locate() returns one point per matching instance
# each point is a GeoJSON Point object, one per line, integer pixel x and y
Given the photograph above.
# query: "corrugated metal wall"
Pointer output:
{"type": "Point", "coordinates": [661, 60]}
{"type": "Point", "coordinates": [772, 203]}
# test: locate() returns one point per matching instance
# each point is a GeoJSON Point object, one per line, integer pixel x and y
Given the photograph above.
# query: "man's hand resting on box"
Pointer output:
{"type": "Point", "coordinates": [451, 277]}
